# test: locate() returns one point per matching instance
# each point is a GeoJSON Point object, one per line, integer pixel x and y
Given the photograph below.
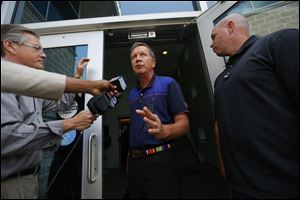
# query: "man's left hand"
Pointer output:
{"type": "Point", "coordinates": [153, 122]}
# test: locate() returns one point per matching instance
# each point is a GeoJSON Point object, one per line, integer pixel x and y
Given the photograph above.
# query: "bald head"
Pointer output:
{"type": "Point", "coordinates": [229, 35]}
{"type": "Point", "coordinates": [239, 21]}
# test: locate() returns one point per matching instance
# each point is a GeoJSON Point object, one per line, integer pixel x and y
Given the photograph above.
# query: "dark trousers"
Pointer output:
{"type": "Point", "coordinates": [238, 195]}
{"type": "Point", "coordinates": [154, 176]}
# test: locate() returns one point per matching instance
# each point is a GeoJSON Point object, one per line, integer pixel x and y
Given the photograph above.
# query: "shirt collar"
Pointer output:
{"type": "Point", "coordinates": [249, 42]}
{"type": "Point", "coordinates": [150, 83]}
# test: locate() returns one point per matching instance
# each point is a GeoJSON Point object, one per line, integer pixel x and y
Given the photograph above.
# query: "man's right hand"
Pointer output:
{"type": "Point", "coordinates": [81, 121]}
{"type": "Point", "coordinates": [218, 148]}
{"type": "Point", "coordinates": [101, 86]}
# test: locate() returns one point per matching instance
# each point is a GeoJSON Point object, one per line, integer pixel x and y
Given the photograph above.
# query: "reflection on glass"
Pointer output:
{"type": "Point", "coordinates": [143, 7]}
{"type": "Point", "coordinates": [262, 4]}
{"type": "Point", "coordinates": [40, 6]}
{"type": "Point", "coordinates": [247, 7]}
{"type": "Point", "coordinates": [62, 10]}
{"type": "Point", "coordinates": [64, 60]}
{"type": "Point", "coordinates": [242, 7]}
{"type": "Point", "coordinates": [42, 11]}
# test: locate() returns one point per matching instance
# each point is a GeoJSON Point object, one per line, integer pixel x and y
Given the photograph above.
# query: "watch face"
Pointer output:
{"type": "Point", "coordinates": [68, 138]}
{"type": "Point", "coordinates": [69, 112]}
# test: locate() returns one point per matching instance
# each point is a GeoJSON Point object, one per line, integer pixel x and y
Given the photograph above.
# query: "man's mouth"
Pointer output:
{"type": "Point", "coordinates": [138, 66]}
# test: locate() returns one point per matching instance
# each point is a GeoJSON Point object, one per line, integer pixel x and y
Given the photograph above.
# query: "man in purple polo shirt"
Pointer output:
{"type": "Point", "coordinates": [158, 114]}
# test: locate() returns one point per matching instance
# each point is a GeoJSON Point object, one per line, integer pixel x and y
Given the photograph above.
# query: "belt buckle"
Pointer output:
{"type": "Point", "coordinates": [135, 153]}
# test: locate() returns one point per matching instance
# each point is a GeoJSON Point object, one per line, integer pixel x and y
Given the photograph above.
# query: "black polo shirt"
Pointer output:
{"type": "Point", "coordinates": [257, 108]}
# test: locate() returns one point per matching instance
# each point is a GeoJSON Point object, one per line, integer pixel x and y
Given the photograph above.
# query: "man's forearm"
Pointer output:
{"type": "Point", "coordinates": [21, 79]}
{"type": "Point", "coordinates": [178, 129]}
{"type": "Point", "coordinates": [78, 85]}
{"type": "Point", "coordinates": [218, 147]}
{"type": "Point", "coordinates": [28, 81]}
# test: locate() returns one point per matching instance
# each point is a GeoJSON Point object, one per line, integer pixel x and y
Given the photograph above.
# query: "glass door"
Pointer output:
{"type": "Point", "coordinates": [75, 169]}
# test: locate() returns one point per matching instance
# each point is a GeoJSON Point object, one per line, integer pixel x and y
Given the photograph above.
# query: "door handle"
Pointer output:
{"type": "Point", "coordinates": [90, 175]}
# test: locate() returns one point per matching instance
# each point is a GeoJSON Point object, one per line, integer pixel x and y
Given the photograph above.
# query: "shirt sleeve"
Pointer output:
{"type": "Point", "coordinates": [22, 132]}
{"type": "Point", "coordinates": [176, 102]}
{"type": "Point", "coordinates": [66, 100]}
{"type": "Point", "coordinates": [284, 48]}
{"type": "Point", "coordinates": [27, 81]}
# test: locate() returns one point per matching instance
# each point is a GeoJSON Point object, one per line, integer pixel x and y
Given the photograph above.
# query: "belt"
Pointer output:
{"type": "Point", "coordinates": [138, 153]}
{"type": "Point", "coordinates": [25, 172]}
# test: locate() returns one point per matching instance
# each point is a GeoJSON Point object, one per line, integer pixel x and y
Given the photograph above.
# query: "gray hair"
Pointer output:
{"type": "Point", "coordinates": [138, 44]}
{"type": "Point", "coordinates": [15, 33]}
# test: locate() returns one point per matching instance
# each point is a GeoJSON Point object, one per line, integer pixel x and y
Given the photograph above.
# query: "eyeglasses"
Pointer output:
{"type": "Point", "coordinates": [37, 47]}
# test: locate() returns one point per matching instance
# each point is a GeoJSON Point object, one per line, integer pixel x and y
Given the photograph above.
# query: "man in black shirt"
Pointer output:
{"type": "Point", "coordinates": [257, 109]}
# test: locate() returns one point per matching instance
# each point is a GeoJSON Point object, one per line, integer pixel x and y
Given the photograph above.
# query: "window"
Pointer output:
{"type": "Point", "coordinates": [144, 7]}
{"type": "Point", "coordinates": [61, 10]}
{"type": "Point", "coordinates": [40, 6]}
{"type": "Point", "coordinates": [247, 7]}
{"type": "Point", "coordinates": [42, 11]}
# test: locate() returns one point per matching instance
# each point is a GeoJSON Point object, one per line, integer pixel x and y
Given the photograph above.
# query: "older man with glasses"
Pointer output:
{"type": "Point", "coordinates": [23, 132]}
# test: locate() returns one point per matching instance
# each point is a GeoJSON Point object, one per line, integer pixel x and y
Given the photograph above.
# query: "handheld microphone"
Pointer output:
{"type": "Point", "coordinates": [102, 102]}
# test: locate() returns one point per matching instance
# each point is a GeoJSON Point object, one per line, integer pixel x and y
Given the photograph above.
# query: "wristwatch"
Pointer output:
{"type": "Point", "coordinates": [77, 76]}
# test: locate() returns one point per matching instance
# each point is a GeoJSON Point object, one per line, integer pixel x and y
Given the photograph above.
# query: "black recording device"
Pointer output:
{"type": "Point", "coordinates": [100, 103]}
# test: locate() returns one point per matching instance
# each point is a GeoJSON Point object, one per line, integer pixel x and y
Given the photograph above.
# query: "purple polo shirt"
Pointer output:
{"type": "Point", "coordinates": [163, 97]}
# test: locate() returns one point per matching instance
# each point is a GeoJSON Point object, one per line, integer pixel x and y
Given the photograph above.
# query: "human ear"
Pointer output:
{"type": "Point", "coordinates": [9, 46]}
{"type": "Point", "coordinates": [154, 63]}
{"type": "Point", "coordinates": [230, 26]}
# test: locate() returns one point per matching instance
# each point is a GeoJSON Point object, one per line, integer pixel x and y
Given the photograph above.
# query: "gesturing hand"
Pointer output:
{"type": "Point", "coordinates": [82, 63]}
{"type": "Point", "coordinates": [153, 122]}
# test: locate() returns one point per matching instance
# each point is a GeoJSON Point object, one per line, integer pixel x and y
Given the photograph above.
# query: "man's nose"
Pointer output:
{"type": "Point", "coordinates": [43, 55]}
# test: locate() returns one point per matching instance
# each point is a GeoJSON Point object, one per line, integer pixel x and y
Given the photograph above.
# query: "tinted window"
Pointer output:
{"type": "Point", "coordinates": [261, 4]}
{"type": "Point", "coordinates": [40, 6]}
{"type": "Point", "coordinates": [142, 7]}
{"type": "Point", "coordinates": [40, 11]}
{"type": "Point", "coordinates": [61, 10]}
